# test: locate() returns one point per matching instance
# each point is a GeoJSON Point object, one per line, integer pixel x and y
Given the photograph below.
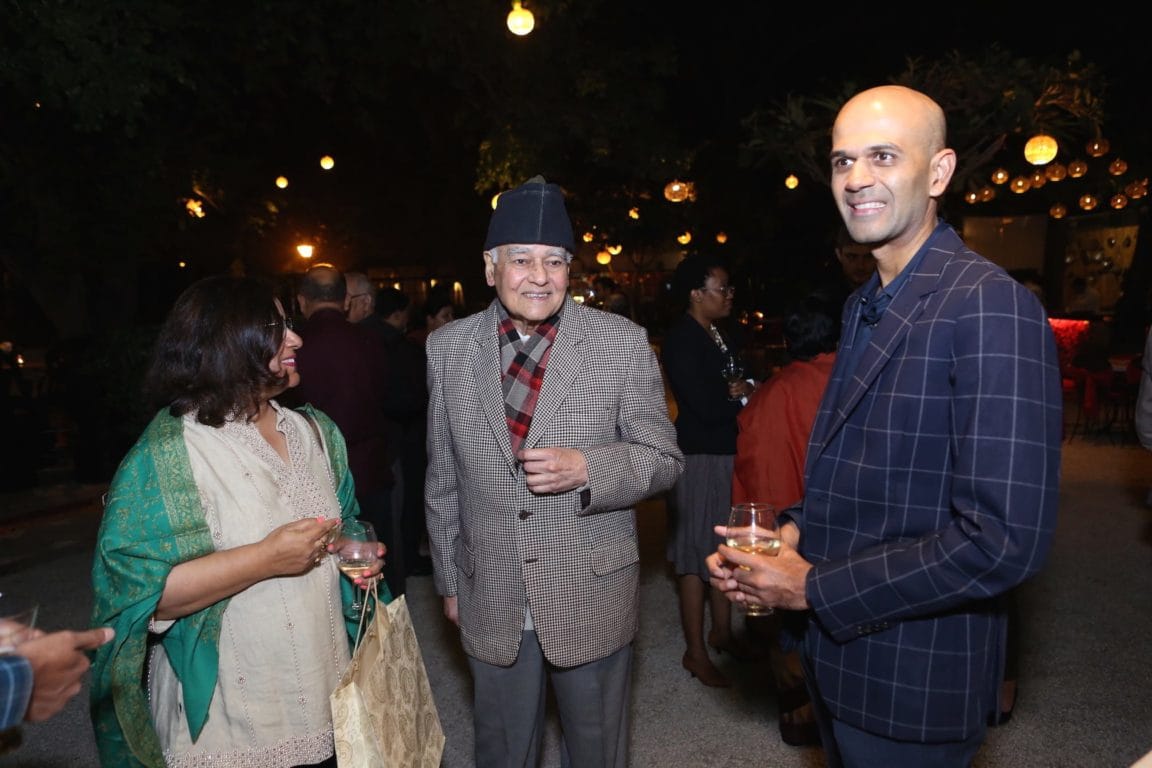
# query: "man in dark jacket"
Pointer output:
{"type": "Point", "coordinates": [343, 369]}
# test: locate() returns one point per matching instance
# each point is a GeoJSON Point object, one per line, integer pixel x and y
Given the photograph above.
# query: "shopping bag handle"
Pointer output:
{"type": "Point", "coordinates": [371, 592]}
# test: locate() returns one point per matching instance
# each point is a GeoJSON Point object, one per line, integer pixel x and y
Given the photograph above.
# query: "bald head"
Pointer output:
{"type": "Point", "coordinates": [919, 117]}
{"type": "Point", "coordinates": [321, 286]}
{"type": "Point", "coordinates": [890, 164]}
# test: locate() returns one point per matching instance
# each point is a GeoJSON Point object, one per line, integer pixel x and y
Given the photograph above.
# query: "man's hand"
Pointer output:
{"type": "Point", "coordinates": [553, 470]}
{"type": "Point", "coordinates": [58, 662]}
{"type": "Point", "coordinates": [777, 581]}
{"type": "Point", "coordinates": [451, 612]}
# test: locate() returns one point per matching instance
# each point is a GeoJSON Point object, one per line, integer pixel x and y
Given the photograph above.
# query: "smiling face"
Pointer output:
{"type": "Point", "coordinates": [889, 164]}
{"type": "Point", "coordinates": [283, 363]}
{"type": "Point", "coordinates": [530, 280]}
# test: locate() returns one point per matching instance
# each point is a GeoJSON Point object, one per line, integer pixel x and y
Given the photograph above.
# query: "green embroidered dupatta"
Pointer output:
{"type": "Point", "coordinates": [152, 522]}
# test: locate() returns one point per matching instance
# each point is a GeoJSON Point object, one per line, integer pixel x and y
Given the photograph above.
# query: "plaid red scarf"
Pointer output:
{"type": "Point", "coordinates": [523, 363]}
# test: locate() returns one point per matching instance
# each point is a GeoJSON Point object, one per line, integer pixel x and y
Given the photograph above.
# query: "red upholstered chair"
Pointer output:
{"type": "Point", "coordinates": [1070, 334]}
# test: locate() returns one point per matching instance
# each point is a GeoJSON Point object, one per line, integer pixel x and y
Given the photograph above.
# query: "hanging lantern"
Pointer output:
{"type": "Point", "coordinates": [282, 182]}
{"type": "Point", "coordinates": [587, 237]}
{"type": "Point", "coordinates": [1040, 149]}
{"type": "Point", "coordinates": [999, 176]}
{"type": "Point", "coordinates": [684, 238]}
{"type": "Point", "coordinates": [633, 213]}
{"type": "Point", "coordinates": [1077, 168]}
{"type": "Point", "coordinates": [1097, 147]}
{"type": "Point", "coordinates": [1021, 184]}
{"type": "Point", "coordinates": [603, 258]}
{"type": "Point", "coordinates": [791, 181]}
{"type": "Point", "coordinates": [1056, 172]}
{"type": "Point", "coordinates": [972, 197]}
{"type": "Point", "coordinates": [721, 237]}
{"type": "Point", "coordinates": [1058, 211]}
{"type": "Point", "coordinates": [1038, 179]}
{"type": "Point", "coordinates": [520, 20]}
{"type": "Point", "coordinates": [1088, 202]}
{"type": "Point", "coordinates": [327, 163]}
{"type": "Point", "coordinates": [615, 249]}
{"type": "Point", "coordinates": [1118, 201]}
{"type": "Point", "coordinates": [676, 191]}
{"type": "Point", "coordinates": [1117, 167]}
{"type": "Point", "coordinates": [987, 194]}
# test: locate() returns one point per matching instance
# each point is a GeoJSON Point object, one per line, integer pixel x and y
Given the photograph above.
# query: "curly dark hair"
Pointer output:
{"type": "Point", "coordinates": [811, 328]}
{"type": "Point", "coordinates": [212, 353]}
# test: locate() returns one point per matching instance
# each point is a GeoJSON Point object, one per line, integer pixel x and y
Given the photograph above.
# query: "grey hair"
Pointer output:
{"type": "Point", "coordinates": [494, 253]}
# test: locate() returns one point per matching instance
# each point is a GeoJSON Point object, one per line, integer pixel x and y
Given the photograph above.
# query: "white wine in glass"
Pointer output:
{"type": "Point", "coordinates": [752, 528]}
{"type": "Point", "coordinates": [356, 548]}
{"type": "Point", "coordinates": [733, 373]}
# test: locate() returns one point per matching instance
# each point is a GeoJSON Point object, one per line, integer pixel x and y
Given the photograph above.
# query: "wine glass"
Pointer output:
{"type": "Point", "coordinates": [753, 528]}
{"type": "Point", "coordinates": [355, 549]}
{"type": "Point", "coordinates": [733, 373]}
{"type": "Point", "coordinates": [17, 621]}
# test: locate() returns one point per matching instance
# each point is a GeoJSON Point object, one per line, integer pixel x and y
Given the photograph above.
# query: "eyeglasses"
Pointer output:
{"type": "Point", "coordinates": [287, 322]}
{"type": "Point", "coordinates": [727, 291]}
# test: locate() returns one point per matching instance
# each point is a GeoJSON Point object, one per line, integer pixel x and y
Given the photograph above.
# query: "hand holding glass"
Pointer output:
{"type": "Point", "coordinates": [356, 547]}
{"type": "Point", "coordinates": [753, 528]}
{"type": "Point", "coordinates": [733, 373]}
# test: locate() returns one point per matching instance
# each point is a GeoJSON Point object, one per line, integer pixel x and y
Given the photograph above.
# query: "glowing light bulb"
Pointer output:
{"type": "Point", "coordinates": [520, 19]}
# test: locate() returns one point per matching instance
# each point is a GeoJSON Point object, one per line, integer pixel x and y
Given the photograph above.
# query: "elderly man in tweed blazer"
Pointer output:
{"type": "Point", "coordinates": [547, 423]}
{"type": "Point", "coordinates": [932, 473]}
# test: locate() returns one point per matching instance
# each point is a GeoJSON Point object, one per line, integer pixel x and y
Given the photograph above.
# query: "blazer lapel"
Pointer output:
{"type": "Point", "coordinates": [563, 367]}
{"type": "Point", "coordinates": [889, 334]}
{"type": "Point", "coordinates": [489, 378]}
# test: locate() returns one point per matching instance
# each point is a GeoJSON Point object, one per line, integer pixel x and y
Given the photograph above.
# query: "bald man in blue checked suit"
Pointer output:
{"type": "Point", "coordinates": [932, 474]}
{"type": "Point", "coordinates": [547, 423]}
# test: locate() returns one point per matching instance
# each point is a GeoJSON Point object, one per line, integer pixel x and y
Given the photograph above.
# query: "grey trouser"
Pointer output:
{"type": "Point", "coordinates": [593, 700]}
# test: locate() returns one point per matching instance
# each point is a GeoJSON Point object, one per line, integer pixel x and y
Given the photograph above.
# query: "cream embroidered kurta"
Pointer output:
{"type": "Point", "coordinates": [283, 644]}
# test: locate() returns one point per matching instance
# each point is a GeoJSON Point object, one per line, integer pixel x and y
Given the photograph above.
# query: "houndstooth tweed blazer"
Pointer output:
{"type": "Point", "coordinates": [495, 545]}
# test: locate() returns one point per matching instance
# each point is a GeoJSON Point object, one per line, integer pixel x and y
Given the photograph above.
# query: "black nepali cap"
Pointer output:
{"type": "Point", "coordinates": [531, 214]}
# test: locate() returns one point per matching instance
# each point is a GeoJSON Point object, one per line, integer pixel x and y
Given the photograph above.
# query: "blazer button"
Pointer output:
{"type": "Point", "coordinates": [525, 514]}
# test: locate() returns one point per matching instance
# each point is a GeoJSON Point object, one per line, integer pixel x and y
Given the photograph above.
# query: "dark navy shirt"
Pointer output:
{"type": "Point", "coordinates": [874, 299]}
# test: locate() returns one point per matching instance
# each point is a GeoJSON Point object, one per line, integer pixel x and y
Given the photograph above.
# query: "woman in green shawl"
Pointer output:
{"type": "Point", "coordinates": [211, 558]}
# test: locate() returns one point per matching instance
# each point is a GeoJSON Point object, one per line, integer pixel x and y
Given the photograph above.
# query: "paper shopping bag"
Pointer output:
{"type": "Point", "coordinates": [383, 713]}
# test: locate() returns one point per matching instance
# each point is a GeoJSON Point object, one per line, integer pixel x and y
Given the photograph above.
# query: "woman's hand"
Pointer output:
{"type": "Point", "coordinates": [740, 389]}
{"type": "Point", "coordinates": [368, 576]}
{"type": "Point", "coordinates": [292, 549]}
{"type": "Point", "coordinates": [298, 547]}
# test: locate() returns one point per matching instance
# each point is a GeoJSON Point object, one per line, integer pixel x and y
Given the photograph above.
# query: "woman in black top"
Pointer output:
{"type": "Point", "coordinates": [694, 352]}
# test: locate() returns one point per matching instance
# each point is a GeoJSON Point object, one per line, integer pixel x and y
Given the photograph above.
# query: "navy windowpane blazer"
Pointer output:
{"type": "Point", "coordinates": [932, 483]}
